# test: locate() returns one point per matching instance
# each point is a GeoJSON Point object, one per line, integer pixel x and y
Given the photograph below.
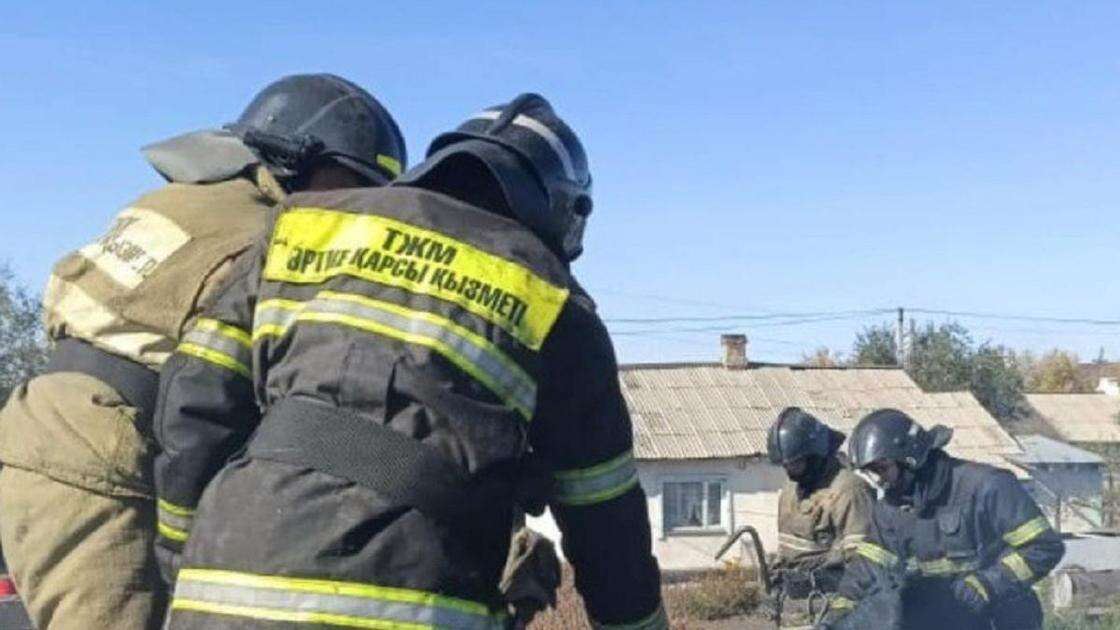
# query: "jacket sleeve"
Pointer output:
{"type": "Point", "coordinates": [206, 408]}
{"type": "Point", "coordinates": [1028, 548]}
{"type": "Point", "coordinates": [868, 567]}
{"type": "Point", "coordinates": [851, 520]}
{"type": "Point", "coordinates": [582, 429]}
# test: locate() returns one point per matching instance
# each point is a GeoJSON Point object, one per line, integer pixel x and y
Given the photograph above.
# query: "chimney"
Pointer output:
{"type": "Point", "coordinates": [734, 351]}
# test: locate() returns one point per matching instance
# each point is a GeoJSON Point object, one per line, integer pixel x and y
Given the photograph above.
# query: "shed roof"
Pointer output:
{"type": "Point", "coordinates": [704, 411]}
{"type": "Point", "coordinates": [1038, 449]}
{"type": "Point", "coordinates": [1080, 417]}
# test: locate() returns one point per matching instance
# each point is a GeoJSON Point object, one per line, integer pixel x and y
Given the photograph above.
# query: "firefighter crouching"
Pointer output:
{"type": "Point", "coordinates": [418, 351]}
{"type": "Point", "coordinates": [823, 513]}
{"type": "Point", "coordinates": [76, 489]}
{"type": "Point", "coordinates": [956, 544]}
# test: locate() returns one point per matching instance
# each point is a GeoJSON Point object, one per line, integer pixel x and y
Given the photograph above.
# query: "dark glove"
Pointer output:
{"type": "Point", "coordinates": [972, 593]}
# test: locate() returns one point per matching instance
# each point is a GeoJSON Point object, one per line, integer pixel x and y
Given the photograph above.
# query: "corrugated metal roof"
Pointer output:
{"type": "Point", "coordinates": [1038, 449]}
{"type": "Point", "coordinates": [1080, 417]}
{"type": "Point", "coordinates": [705, 411]}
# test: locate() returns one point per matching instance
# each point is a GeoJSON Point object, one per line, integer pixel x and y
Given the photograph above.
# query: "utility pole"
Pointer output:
{"type": "Point", "coordinates": [900, 338]}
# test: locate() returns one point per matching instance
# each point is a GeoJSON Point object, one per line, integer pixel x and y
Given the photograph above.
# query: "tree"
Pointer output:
{"type": "Point", "coordinates": [23, 348]}
{"type": "Point", "coordinates": [997, 382]}
{"type": "Point", "coordinates": [944, 358]}
{"type": "Point", "coordinates": [876, 345]}
{"type": "Point", "coordinates": [940, 358]}
{"type": "Point", "coordinates": [1057, 372]}
{"type": "Point", "coordinates": [822, 357]}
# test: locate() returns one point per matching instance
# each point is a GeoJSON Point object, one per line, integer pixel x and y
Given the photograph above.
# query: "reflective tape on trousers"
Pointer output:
{"type": "Point", "coordinates": [325, 602]}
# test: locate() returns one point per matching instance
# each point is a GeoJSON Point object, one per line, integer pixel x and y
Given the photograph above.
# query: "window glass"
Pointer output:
{"type": "Point", "coordinates": [692, 504]}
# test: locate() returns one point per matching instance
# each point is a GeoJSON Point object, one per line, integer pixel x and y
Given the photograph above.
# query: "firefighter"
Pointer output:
{"type": "Point", "coordinates": [76, 490]}
{"type": "Point", "coordinates": [411, 363]}
{"type": "Point", "coordinates": [959, 542]}
{"type": "Point", "coordinates": [823, 513]}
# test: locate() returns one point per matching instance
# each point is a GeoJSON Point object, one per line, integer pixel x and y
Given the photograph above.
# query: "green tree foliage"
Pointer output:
{"type": "Point", "coordinates": [944, 358]}
{"type": "Point", "coordinates": [876, 345]}
{"type": "Point", "coordinates": [1056, 372]}
{"type": "Point", "coordinates": [940, 358]}
{"type": "Point", "coordinates": [23, 349]}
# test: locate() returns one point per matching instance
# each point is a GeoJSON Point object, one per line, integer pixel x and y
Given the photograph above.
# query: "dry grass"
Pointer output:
{"type": "Point", "coordinates": [716, 595]}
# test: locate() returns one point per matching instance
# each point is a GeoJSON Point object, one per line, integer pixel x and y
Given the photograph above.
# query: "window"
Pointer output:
{"type": "Point", "coordinates": [693, 504]}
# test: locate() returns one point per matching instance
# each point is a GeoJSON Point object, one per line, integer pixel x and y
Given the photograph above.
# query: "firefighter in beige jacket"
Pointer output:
{"type": "Point", "coordinates": [823, 513]}
{"type": "Point", "coordinates": [76, 489]}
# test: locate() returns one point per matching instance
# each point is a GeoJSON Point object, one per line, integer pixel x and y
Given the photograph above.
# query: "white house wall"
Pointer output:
{"type": "Point", "coordinates": [750, 498]}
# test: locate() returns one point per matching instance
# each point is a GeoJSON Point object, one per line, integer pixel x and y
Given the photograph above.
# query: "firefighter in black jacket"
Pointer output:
{"type": "Point", "coordinates": [412, 362]}
{"type": "Point", "coordinates": [961, 543]}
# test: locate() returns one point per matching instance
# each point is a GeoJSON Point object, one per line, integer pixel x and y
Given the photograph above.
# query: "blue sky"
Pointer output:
{"type": "Point", "coordinates": [749, 158]}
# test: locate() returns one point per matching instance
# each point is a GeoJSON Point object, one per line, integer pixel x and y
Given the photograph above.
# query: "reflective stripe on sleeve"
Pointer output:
{"type": "Point", "coordinates": [221, 344]}
{"type": "Point", "coordinates": [1027, 532]}
{"type": "Point", "coordinates": [174, 521]}
{"type": "Point", "coordinates": [325, 602]}
{"type": "Point", "coordinates": [876, 554]}
{"type": "Point", "coordinates": [852, 541]}
{"type": "Point", "coordinates": [946, 566]}
{"type": "Point", "coordinates": [1018, 567]}
{"type": "Point", "coordinates": [598, 483]}
{"type": "Point", "coordinates": [657, 621]}
{"type": "Point", "coordinates": [798, 543]}
{"type": "Point", "coordinates": [475, 355]}
{"type": "Point", "coordinates": [978, 586]}
{"type": "Point", "coordinates": [839, 602]}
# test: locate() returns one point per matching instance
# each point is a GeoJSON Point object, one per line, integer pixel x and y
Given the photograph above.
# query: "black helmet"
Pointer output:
{"type": "Point", "coordinates": [796, 434]}
{"type": "Point", "coordinates": [891, 435]}
{"type": "Point", "coordinates": [546, 181]}
{"type": "Point", "coordinates": [306, 117]}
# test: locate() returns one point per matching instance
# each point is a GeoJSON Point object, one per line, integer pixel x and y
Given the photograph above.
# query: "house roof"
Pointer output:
{"type": "Point", "coordinates": [704, 411]}
{"type": "Point", "coordinates": [1038, 449]}
{"type": "Point", "coordinates": [1080, 417]}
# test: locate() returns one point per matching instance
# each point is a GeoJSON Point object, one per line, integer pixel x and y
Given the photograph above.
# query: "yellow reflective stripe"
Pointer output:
{"type": "Point", "coordinates": [292, 616]}
{"type": "Point", "coordinates": [312, 245]}
{"type": "Point", "coordinates": [475, 355]}
{"type": "Point", "coordinates": [331, 602]}
{"type": "Point", "coordinates": [977, 586]}
{"type": "Point", "coordinates": [945, 566]}
{"type": "Point", "coordinates": [876, 554]}
{"type": "Point", "coordinates": [598, 483]}
{"type": "Point", "coordinates": [224, 329]}
{"type": "Point", "coordinates": [800, 544]}
{"type": "Point", "coordinates": [217, 358]}
{"type": "Point", "coordinates": [178, 510]}
{"type": "Point", "coordinates": [390, 163]}
{"type": "Point", "coordinates": [173, 533]}
{"type": "Point", "coordinates": [656, 621]}
{"type": "Point", "coordinates": [839, 602]}
{"type": "Point", "coordinates": [1027, 531]}
{"type": "Point", "coordinates": [1018, 566]}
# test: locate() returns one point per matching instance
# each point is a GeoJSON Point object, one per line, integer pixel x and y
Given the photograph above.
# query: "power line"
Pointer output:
{"type": "Point", "coordinates": [1022, 318]}
{"type": "Point", "coordinates": [752, 317]}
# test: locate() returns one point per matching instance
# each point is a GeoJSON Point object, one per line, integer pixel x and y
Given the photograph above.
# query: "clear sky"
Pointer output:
{"type": "Point", "coordinates": [749, 157]}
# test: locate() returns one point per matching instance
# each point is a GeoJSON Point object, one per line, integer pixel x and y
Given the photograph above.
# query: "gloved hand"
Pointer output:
{"type": "Point", "coordinates": [971, 592]}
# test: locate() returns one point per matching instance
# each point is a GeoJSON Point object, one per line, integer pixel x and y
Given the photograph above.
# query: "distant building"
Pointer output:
{"type": "Point", "coordinates": [700, 439]}
{"type": "Point", "coordinates": [1091, 422]}
{"type": "Point", "coordinates": [1066, 481]}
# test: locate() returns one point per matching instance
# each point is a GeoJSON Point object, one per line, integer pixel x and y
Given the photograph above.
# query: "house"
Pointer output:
{"type": "Point", "coordinates": [1090, 422]}
{"type": "Point", "coordinates": [1066, 481]}
{"type": "Point", "coordinates": [700, 439]}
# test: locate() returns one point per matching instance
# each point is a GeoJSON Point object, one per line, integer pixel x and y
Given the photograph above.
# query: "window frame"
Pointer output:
{"type": "Point", "coordinates": [723, 527]}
